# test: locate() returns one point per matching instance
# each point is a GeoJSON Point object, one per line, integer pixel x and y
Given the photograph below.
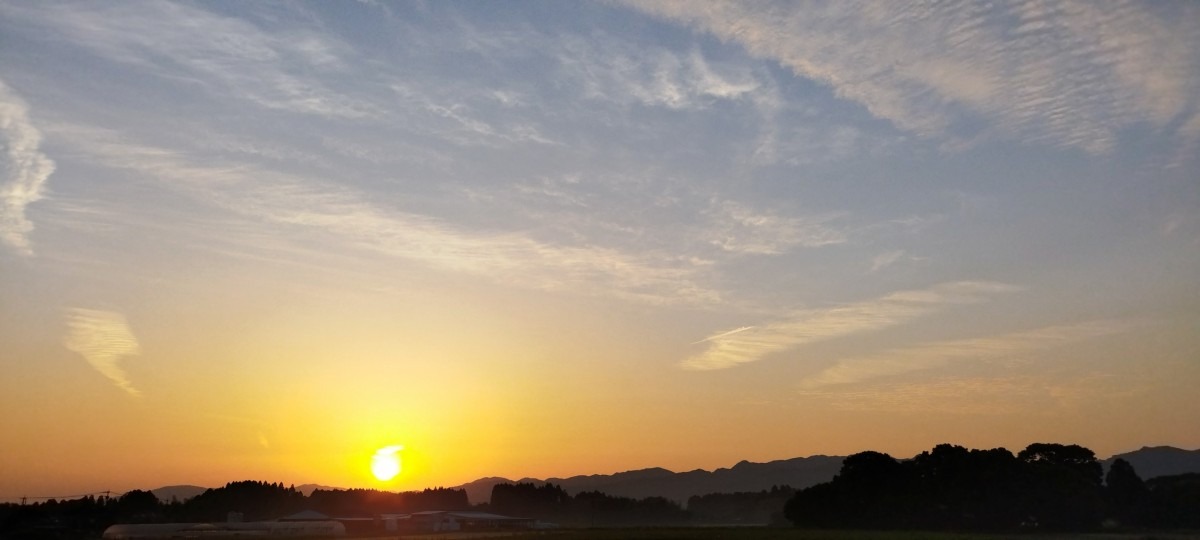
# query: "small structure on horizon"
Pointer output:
{"type": "Point", "coordinates": [312, 524]}
{"type": "Point", "coordinates": [264, 529]}
{"type": "Point", "coordinates": [453, 520]}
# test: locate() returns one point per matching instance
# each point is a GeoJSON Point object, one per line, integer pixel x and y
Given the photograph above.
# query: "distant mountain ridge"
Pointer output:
{"type": "Point", "coordinates": [307, 489]}
{"type": "Point", "coordinates": [799, 473]}
{"type": "Point", "coordinates": [744, 476]}
{"type": "Point", "coordinates": [180, 493]}
{"type": "Point", "coordinates": [184, 492]}
{"type": "Point", "coordinates": [1154, 461]}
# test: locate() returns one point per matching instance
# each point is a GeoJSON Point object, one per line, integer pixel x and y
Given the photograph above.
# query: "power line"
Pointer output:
{"type": "Point", "coordinates": [24, 498]}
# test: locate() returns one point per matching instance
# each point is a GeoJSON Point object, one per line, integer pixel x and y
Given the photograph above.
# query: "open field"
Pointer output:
{"type": "Point", "coordinates": [762, 533]}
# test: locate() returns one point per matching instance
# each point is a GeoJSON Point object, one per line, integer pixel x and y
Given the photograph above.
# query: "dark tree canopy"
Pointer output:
{"type": "Point", "coordinates": [1063, 486]}
{"type": "Point", "coordinates": [1125, 494]}
{"type": "Point", "coordinates": [591, 508]}
{"type": "Point", "coordinates": [1072, 457]}
{"type": "Point", "coordinates": [760, 507]}
{"type": "Point", "coordinates": [138, 504]}
{"type": "Point", "coordinates": [1044, 487]}
{"type": "Point", "coordinates": [1175, 501]}
{"type": "Point", "coordinates": [368, 502]}
{"type": "Point", "coordinates": [254, 500]}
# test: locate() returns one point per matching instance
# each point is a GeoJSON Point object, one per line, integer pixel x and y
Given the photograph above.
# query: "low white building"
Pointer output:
{"type": "Point", "coordinates": [452, 520]}
{"type": "Point", "coordinates": [256, 529]}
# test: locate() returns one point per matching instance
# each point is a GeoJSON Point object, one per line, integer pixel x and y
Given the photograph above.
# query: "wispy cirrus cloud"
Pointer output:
{"type": "Point", "coordinates": [1071, 74]}
{"type": "Point", "coordinates": [609, 70]}
{"type": "Point", "coordinates": [456, 121]}
{"type": "Point", "coordinates": [24, 173]}
{"type": "Point", "coordinates": [348, 218]}
{"type": "Point", "coordinates": [979, 396]}
{"type": "Point", "coordinates": [227, 56]}
{"type": "Point", "coordinates": [729, 349]}
{"type": "Point", "coordinates": [886, 259]}
{"type": "Point", "coordinates": [103, 338]}
{"type": "Point", "coordinates": [933, 355]}
{"type": "Point", "coordinates": [741, 229]}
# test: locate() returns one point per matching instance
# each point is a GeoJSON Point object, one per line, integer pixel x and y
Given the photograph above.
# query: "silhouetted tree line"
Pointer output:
{"type": "Point", "coordinates": [591, 508]}
{"type": "Point", "coordinates": [76, 518]}
{"type": "Point", "coordinates": [254, 500]}
{"type": "Point", "coordinates": [87, 517]}
{"type": "Point", "coordinates": [1045, 486]}
{"type": "Point", "coordinates": [368, 502]}
{"type": "Point", "coordinates": [754, 507]}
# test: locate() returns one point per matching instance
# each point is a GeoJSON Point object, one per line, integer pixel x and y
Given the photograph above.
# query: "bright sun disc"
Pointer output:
{"type": "Point", "coordinates": [385, 464]}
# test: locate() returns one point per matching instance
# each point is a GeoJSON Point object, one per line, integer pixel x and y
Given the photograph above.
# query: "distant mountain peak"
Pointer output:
{"type": "Point", "coordinates": [307, 489]}
{"type": "Point", "coordinates": [180, 492]}
{"type": "Point", "coordinates": [1154, 461]}
{"type": "Point", "coordinates": [1162, 449]}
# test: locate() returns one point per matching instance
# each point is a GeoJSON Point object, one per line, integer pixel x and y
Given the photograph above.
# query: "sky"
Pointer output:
{"type": "Point", "coordinates": [264, 240]}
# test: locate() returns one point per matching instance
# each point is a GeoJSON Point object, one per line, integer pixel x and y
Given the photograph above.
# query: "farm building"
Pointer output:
{"type": "Point", "coordinates": [310, 524]}
{"type": "Point", "coordinates": [256, 529]}
{"type": "Point", "coordinates": [442, 521]}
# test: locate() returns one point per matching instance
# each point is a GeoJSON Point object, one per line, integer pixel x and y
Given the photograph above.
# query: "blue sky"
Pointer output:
{"type": "Point", "coordinates": [820, 227]}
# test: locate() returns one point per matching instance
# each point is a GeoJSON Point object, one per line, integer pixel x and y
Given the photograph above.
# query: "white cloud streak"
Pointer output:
{"type": "Point", "coordinates": [740, 229]}
{"type": "Point", "coordinates": [227, 56]}
{"type": "Point", "coordinates": [102, 338]}
{"type": "Point", "coordinates": [934, 355]}
{"type": "Point", "coordinates": [24, 172]}
{"type": "Point", "coordinates": [723, 334]}
{"type": "Point", "coordinates": [814, 325]}
{"type": "Point", "coordinates": [460, 125]}
{"type": "Point", "coordinates": [608, 70]}
{"type": "Point", "coordinates": [353, 221]}
{"type": "Point", "coordinates": [979, 396]}
{"type": "Point", "coordinates": [1071, 73]}
{"type": "Point", "coordinates": [886, 259]}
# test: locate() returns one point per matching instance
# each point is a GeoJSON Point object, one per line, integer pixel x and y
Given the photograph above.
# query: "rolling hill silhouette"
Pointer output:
{"type": "Point", "coordinates": [744, 476]}
{"type": "Point", "coordinates": [1154, 461]}
{"type": "Point", "coordinates": [180, 493]}
{"type": "Point", "coordinates": [185, 491]}
{"type": "Point", "coordinates": [799, 473]}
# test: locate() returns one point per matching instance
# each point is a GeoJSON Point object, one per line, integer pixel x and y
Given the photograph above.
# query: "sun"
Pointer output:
{"type": "Point", "coordinates": [385, 464]}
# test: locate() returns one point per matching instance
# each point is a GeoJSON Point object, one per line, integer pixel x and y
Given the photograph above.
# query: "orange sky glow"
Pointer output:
{"type": "Point", "coordinates": [261, 241]}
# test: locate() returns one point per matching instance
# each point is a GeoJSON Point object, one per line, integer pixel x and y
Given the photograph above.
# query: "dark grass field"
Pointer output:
{"type": "Point", "coordinates": [763, 533]}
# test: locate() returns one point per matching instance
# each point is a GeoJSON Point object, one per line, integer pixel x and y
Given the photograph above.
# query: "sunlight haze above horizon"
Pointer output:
{"type": "Point", "coordinates": [261, 240]}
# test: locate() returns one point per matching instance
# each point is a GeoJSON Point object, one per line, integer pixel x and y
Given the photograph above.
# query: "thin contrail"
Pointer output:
{"type": "Point", "coordinates": [723, 334]}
